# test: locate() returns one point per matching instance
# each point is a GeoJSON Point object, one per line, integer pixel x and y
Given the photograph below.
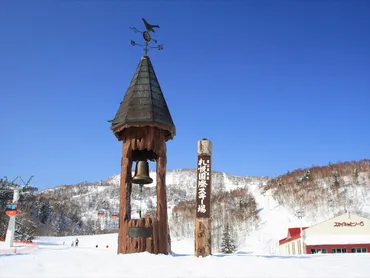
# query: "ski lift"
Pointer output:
{"type": "Point", "coordinates": [100, 213]}
{"type": "Point", "coordinates": [11, 210]}
{"type": "Point", "coordinates": [115, 215]}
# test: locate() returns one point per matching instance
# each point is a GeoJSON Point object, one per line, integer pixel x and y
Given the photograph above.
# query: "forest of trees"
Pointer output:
{"type": "Point", "coordinates": [236, 208]}
{"type": "Point", "coordinates": [327, 187]}
{"type": "Point", "coordinates": [48, 214]}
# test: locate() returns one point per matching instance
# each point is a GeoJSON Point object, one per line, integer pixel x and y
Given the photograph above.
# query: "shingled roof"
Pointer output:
{"type": "Point", "coordinates": [144, 103]}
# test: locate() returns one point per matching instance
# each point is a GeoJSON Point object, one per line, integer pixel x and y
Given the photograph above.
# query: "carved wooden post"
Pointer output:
{"type": "Point", "coordinates": [162, 201]}
{"type": "Point", "coordinates": [125, 195]}
{"type": "Point", "coordinates": [203, 240]}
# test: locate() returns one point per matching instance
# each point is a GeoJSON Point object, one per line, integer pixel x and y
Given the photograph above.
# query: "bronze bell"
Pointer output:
{"type": "Point", "coordinates": [142, 173]}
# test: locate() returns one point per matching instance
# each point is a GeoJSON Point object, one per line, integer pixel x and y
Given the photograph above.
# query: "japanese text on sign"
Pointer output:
{"type": "Point", "coordinates": [348, 224]}
{"type": "Point", "coordinates": [203, 186]}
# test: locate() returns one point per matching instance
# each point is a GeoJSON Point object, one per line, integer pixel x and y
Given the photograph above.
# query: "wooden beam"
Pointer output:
{"type": "Point", "coordinates": [203, 242]}
{"type": "Point", "coordinates": [162, 216]}
{"type": "Point", "coordinates": [125, 196]}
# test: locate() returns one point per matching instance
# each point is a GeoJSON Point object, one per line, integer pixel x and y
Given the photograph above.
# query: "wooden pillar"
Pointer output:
{"type": "Point", "coordinates": [203, 242]}
{"type": "Point", "coordinates": [125, 192]}
{"type": "Point", "coordinates": [162, 216]}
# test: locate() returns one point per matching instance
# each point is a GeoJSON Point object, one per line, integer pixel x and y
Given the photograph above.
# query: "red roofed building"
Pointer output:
{"type": "Point", "coordinates": [292, 244]}
{"type": "Point", "coordinates": [346, 233]}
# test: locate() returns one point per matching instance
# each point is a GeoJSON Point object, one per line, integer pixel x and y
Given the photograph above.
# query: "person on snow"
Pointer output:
{"type": "Point", "coordinates": [73, 243]}
{"type": "Point", "coordinates": [77, 241]}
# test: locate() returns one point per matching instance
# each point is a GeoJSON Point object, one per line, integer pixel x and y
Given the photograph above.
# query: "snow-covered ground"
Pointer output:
{"type": "Point", "coordinates": [53, 259]}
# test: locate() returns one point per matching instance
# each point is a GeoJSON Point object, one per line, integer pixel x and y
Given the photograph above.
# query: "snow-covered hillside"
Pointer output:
{"type": "Point", "coordinates": [181, 185]}
{"type": "Point", "coordinates": [276, 210]}
{"type": "Point", "coordinates": [275, 218]}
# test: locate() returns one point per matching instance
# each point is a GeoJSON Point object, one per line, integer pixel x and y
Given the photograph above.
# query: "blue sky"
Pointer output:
{"type": "Point", "coordinates": [275, 85]}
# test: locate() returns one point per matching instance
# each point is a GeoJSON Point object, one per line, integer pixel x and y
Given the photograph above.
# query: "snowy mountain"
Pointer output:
{"type": "Point", "coordinates": [258, 210]}
{"type": "Point", "coordinates": [86, 199]}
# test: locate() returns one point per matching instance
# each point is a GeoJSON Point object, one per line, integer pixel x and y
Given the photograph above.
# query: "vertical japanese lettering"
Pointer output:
{"type": "Point", "coordinates": [203, 186]}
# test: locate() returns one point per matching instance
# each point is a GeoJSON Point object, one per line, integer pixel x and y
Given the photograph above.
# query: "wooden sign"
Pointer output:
{"type": "Point", "coordinates": [203, 195]}
{"type": "Point", "coordinates": [203, 240]}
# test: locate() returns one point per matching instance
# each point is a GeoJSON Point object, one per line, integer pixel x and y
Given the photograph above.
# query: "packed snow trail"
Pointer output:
{"type": "Point", "coordinates": [273, 225]}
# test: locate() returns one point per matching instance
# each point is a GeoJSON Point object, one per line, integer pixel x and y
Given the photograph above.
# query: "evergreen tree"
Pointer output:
{"type": "Point", "coordinates": [227, 244]}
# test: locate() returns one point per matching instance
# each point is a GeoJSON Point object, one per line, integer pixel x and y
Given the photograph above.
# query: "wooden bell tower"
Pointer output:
{"type": "Point", "coordinates": [144, 124]}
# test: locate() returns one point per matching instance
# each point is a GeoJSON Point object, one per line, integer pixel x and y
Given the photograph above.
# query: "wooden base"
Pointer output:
{"type": "Point", "coordinates": [203, 242]}
{"type": "Point", "coordinates": [140, 244]}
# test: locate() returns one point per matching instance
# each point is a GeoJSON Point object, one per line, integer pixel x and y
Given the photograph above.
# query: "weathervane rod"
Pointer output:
{"type": "Point", "coordinates": [147, 37]}
{"type": "Point", "coordinates": [146, 49]}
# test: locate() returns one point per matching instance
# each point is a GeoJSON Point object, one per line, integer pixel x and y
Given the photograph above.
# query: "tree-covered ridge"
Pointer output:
{"type": "Point", "coordinates": [334, 187]}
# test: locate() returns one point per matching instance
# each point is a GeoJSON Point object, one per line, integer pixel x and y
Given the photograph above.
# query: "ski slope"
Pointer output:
{"type": "Point", "coordinates": [274, 223]}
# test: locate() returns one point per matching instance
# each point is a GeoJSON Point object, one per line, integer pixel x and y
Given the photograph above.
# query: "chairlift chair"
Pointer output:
{"type": "Point", "coordinates": [11, 210]}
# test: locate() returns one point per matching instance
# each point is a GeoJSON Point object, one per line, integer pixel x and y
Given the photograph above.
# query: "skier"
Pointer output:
{"type": "Point", "coordinates": [73, 243]}
{"type": "Point", "coordinates": [77, 241]}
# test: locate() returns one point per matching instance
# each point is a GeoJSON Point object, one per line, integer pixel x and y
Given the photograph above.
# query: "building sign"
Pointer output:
{"type": "Point", "coordinates": [203, 186]}
{"type": "Point", "coordinates": [348, 224]}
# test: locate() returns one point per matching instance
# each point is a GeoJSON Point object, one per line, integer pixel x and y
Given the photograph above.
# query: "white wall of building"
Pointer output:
{"type": "Point", "coordinates": [344, 229]}
{"type": "Point", "coordinates": [339, 226]}
{"type": "Point", "coordinates": [293, 247]}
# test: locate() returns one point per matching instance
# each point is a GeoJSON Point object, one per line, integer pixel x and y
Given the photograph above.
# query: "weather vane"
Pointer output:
{"type": "Point", "coordinates": [147, 37]}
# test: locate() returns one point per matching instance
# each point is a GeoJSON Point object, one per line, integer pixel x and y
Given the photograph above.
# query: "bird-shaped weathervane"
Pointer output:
{"type": "Point", "coordinates": [147, 37]}
{"type": "Point", "coordinates": [149, 27]}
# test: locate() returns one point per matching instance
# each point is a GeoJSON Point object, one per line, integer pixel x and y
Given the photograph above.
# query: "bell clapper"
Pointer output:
{"type": "Point", "coordinates": [141, 198]}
